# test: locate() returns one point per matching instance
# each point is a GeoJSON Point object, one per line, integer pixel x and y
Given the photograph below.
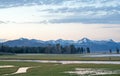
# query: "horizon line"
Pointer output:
{"type": "Point", "coordinates": [61, 39]}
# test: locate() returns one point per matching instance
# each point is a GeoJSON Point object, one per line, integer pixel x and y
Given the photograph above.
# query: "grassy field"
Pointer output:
{"type": "Point", "coordinates": [57, 57]}
{"type": "Point", "coordinates": [53, 69]}
{"type": "Point", "coordinates": [40, 69]}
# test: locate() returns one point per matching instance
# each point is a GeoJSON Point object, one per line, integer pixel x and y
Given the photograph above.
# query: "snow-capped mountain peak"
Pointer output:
{"type": "Point", "coordinates": [22, 39]}
{"type": "Point", "coordinates": [111, 40]}
{"type": "Point", "coordinates": [84, 40]}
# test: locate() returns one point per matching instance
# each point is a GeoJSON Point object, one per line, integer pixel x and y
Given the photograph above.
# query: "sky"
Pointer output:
{"type": "Point", "coordinates": [54, 19]}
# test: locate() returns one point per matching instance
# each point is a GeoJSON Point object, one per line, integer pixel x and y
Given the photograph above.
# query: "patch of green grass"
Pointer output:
{"type": "Point", "coordinates": [57, 57]}
{"type": "Point", "coordinates": [7, 70]}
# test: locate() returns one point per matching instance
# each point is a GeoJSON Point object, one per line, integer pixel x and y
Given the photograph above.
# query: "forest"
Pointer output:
{"type": "Point", "coordinates": [50, 49]}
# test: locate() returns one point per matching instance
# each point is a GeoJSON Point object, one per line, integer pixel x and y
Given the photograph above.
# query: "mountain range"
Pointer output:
{"type": "Point", "coordinates": [94, 45]}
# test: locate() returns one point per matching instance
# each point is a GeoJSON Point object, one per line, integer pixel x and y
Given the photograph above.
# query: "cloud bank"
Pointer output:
{"type": "Point", "coordinates": [60, 11]}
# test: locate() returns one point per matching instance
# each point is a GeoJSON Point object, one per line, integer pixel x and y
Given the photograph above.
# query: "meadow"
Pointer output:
{"type": "Point", "coordinates": [47, 69]}
{"type": "Point", "coordinates": [54, 69]}
{"type": "Point", "coordinates": [74, 57]}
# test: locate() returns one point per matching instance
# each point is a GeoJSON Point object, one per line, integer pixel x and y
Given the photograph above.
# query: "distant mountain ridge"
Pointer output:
{"type": "Point", "coordinates": [94, 45]}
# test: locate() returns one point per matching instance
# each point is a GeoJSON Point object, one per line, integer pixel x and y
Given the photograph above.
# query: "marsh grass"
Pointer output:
{"type": "Point", "coordinates": [49, 69]}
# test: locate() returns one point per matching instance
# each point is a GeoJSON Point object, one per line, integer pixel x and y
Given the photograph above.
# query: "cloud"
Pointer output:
{"type": "Point", "coordinates": [2, 22]}
{"type": "Point", "coordinates": [16, 3]}
{"type": "Point", "coordinates": [112, 26]}
{"type": "Point", "coordinates": [63, 11]}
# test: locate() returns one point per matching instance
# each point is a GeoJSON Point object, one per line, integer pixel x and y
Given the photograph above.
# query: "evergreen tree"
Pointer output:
{"type": "Point", "coordinates": [82, 50]}
{"type": "Point", "coordinates": [78, 50]}
{"type": "Point", "coordinates": [110, 51]}
{"type": "Point", "coordinates": [66, 50]}
{"type": "Point", "coordinates": [47, 49]}
{"type": "Point", "coordinates": [117, 50]}
{"type": "Point", "coordinates": [73, 49]}
{"type": "Point", "coordinates": [88, 50]}
{"type": "Point", "coordinates": [58, 47]}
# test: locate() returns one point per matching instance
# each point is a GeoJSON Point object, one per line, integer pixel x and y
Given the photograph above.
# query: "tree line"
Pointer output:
{"type": "Point", "coordinates": [117, 51]}
{"type": "Point", "coordinates": [50, 49]}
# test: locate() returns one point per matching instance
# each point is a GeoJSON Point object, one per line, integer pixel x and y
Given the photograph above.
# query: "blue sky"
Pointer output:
{"type": "Point", "coordinates": [49, 14]}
